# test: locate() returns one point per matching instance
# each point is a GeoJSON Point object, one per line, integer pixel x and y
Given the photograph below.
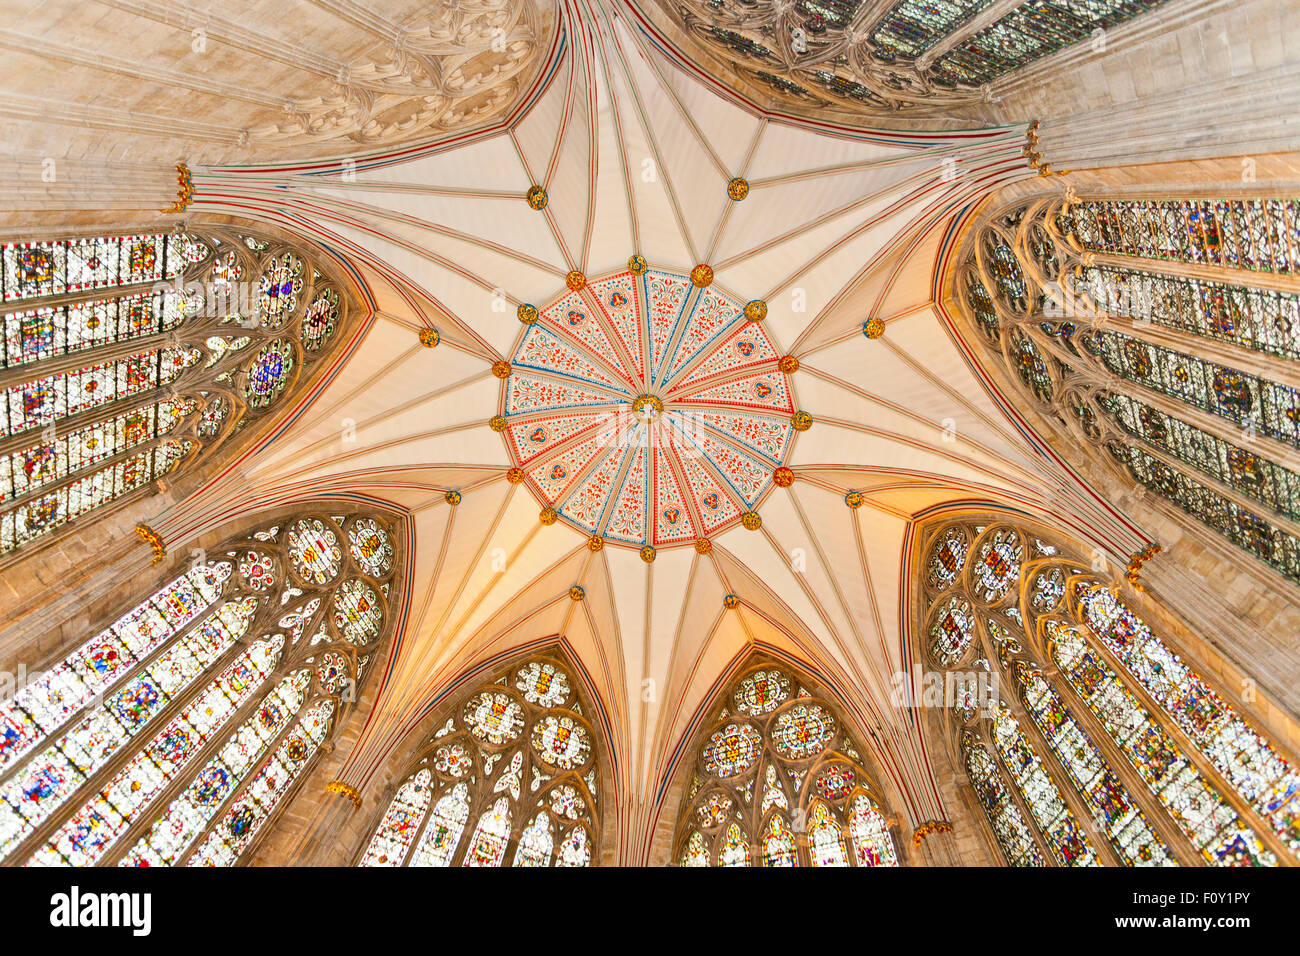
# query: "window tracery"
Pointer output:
{"type": "Point", "coordinates": [1086, 737]}
{"type": "Point", "coordinates": [779, 782]}
{"type": "Point", "coordinates": [127, 358]}
{"type": "Point", "coordinates": [511, 778]}
{"type": "Point", "coordinates": [1172, 376]}
{"type": "Point", "coordinates": [221, 687]}
{"type": "Point", "coordinates": [908, 55]}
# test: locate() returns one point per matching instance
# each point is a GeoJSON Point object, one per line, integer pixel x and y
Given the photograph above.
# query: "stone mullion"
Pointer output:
{"type": "Point", "coordinates": [994, 12]}
{"type": "Point", "coordinates": [1083, 813]}
{"type": "Point", "coordinates": [1274, 449]}
{"type": "Point", "coordinates": [133, 745]}
{"type": "Point", "coordinates": [152, 810]}
{"type": "Point", "coordinates": [1193, 753]}
{"type": "Point", "coordinates": [1114, 432]}
{"type": "Point", "coordinates": [149, 814]}
{"type": "Point", "coordinates": [1157, 815]}
{"type": "Point", "coordinates": [479, 800]}
{"type": "Point", "coordinates": [1230, 275]}
{"type": "Point", "coordinates": [984, 733]}
{"type": "Point", "coordinates": [213, 821]}
{"type": "Point", "coordinates": [105, 352]}
{"type": "Point", "coordinates": [72, 477]}
{"type": "Point", "coordinates": [1231, 354]}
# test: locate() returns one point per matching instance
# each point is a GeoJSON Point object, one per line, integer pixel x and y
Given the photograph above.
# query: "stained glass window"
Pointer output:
{"type": "Point", "coordinates": [898, 55]}
{"type": "Point", "coordinates": [1034, 748]}
{"type": "Point", "coordinates": [1250, 234]}
{"type": "Point", "coordinates": [1244, 757]}
{"type": "Point", "coordinates": [778, 781]}
{"type": "Point", "coordinates": [171, 711]}
{"type": "Point", "coordinates": [125, 358]}
{"type": "Point", "coordinates": [1004, 816]}
{"type": "Point", "coordinates": [1033, 30]}
{"type": "Point", "coordinates": [1114, 348]}
{"type": "Point", "coordinates": [911, 27]}
{"type": "Point", "coordinates": [510, 779]}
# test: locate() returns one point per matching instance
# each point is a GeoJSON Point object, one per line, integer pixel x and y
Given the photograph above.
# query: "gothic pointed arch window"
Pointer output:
{"type": "Point", "coordinates": [128, 358]}
{"type": "Point", "coordinates": [174, 735]}
{"type": "Point", "coordinates": [1087, 738]}
{"type": "Point", "coordinates": [779, 781]}
{"type": "Point", "coordinates": [1164, 334]}
{"type": "Point", "coordinates": [904, 55]}
{"type": "Point", "coordinates": [511, 777]}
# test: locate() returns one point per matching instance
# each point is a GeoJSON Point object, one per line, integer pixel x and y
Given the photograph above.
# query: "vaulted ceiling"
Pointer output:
{"type": "Point", "coordinates": [811, 400]}
{"type": "Point", "coordinates": [636, 159]}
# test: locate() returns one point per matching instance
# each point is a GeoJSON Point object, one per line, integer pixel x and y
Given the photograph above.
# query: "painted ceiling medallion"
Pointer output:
{"type": "Point", "coordinates": [737, 189]}
{"type": "Point", "coordinates": [647, 411]}
{"type": "Point", "coordinates": [429, 338]}
{"type": "Point", "coordinates": [536, 197]}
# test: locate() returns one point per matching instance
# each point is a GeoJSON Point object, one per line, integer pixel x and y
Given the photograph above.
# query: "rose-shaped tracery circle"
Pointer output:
{"type": "Point", "coordinates": [647, 410]}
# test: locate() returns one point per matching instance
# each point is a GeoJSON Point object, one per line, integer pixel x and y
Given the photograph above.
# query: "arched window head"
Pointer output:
{"type": "Point", "coordinates": [1146, 331]}
{"type": "Point", "coordinates": [218, 689]}
{"type": "Point", "coordinates": [778, 781]}
{"type": "Point", "coordinates": [1086, 738]}
{"type": "Point", "coordinates": [126, 358]}
{"type": "Point", "coordinates": [509, 778]}
{"type": "Point", "coordinates": [896, 56]}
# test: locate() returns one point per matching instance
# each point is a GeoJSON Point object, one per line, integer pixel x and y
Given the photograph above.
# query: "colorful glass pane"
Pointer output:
{"type": "Point", "coordinates": [1046, 805]}
{"type": "Point", "coordinates": [446, 824]}
{"type": "Point", "coordinates": [761, 693]}
{"type": "Point", "coordinates": [869, 835]}
{"type": "Point", "coordinates": [561, 741]}
{"type": "Point", "coordinates": [494, 717]}
{"type": "Point", "coordinates": [778, 844]}
{"type": "Point", "coordinates": [1198, 809]}
{"type": "Point", "coordinates": [487, 846]}
{"type": "Point", "coordinates": [401, 821]}
{"type": "Point", "coordinates": [371, 547]}
{"type": "Point", "coordinates": [542, 683]}
{"type": "Point", "coordinates": [268, 373]}
{"type": "Point", "coordinates": [803, 731]}
{"type": "Point", "coordinates": [1245, 758]}
{"type": "Point", "coordinates": [1004, 816]}
{"type": "Point", "coordinates": [91, 831]}
{"type": "Point", "coordinates": [170, 836]}
{"type": "Point", "coordinates": [732, 750]}
{"type": "Point", "coordinates": [357, 613]}
{"type": "Point", "coordinates": [315, 551]}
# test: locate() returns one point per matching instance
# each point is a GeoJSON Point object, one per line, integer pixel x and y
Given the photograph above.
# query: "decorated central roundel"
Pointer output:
{"type": "Point", "coordinates": [647, 410]}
